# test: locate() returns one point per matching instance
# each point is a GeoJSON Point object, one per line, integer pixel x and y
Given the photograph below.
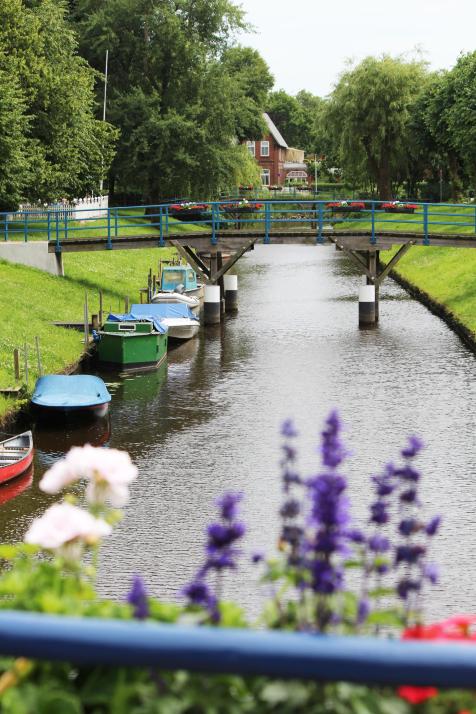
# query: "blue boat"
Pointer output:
{"type": "Point", "coordinates": [75, 394]}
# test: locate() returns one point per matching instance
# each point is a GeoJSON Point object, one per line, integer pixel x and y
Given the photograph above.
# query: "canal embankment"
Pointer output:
{"type": "Point", "coordinates": [32, 300]}
{"type": "Point", "coordinates": [443, 280]}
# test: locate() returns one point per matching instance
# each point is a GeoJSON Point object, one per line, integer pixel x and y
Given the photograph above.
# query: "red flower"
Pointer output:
{"type": "Point", "coordinates": [416, 695]}
{"type": "Point", "coordinates": [459, 627]}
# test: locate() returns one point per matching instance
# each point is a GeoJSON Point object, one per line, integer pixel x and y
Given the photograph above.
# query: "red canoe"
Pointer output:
{"type": "Point", "coordinates": [16, 455]}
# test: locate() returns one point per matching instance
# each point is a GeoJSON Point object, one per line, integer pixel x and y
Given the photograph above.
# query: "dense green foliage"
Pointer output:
{"type": "Point", "coordinates": [179, 107]}
{"type": "Point", "coordinates": [54, 146]}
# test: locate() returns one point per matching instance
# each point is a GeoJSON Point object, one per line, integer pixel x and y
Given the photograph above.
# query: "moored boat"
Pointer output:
{"type": "Point", "coordinates": [132, 342]}
{"type": "Point", "coordinates": [168, 298]}
{"type": "Point", "coordinates": [180, 279]}
{"type": "Point", "coordinates": [73, 394]}
{"type": "Point", "coordinates": [181, 322]}
{"type": "Point", "coordinates": [16, 455]}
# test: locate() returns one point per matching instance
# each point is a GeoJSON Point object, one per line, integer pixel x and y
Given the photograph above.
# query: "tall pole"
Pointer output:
{"type": "Point", "coordinates": [105, 88]}
{"type": "Point", "coordinates": [101, 182]}
{"type": "Point", "coordinates": [315, 174]}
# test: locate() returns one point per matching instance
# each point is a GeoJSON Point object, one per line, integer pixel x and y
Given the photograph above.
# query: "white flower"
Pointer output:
{"type": "Point", "coordinates": [109, 472]}
{"type": "Point", "coordinates": [63, 524]}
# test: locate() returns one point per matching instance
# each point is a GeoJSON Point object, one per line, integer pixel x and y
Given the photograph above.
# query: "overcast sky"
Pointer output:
{"type": "Point", "coordinates": [306, 42]}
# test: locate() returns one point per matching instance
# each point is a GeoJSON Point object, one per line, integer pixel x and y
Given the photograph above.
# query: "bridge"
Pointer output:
{"type": "Point", "coordinates": [225, 230]}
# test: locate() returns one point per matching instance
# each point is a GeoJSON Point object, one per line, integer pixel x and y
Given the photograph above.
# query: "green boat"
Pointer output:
{"type": "Point", "coordinates": [132, 344]}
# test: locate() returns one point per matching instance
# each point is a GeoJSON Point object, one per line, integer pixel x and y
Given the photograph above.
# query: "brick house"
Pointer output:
{"type": "Point", "coordinates": [277, 160]}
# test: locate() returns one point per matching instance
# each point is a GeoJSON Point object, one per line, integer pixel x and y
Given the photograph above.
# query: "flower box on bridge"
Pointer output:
{"type": "Point", "coordinates": [190, 211]}
{"type": "Point", "coordinates": [346, 206]}
{"type": "Point", "coordinates": [398, 207]}
{"type": "Point", "coordinates": [241, 207]}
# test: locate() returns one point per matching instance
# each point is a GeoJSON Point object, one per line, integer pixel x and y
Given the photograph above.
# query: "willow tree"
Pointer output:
{"type": "Point", "coordinates": [369, 114]}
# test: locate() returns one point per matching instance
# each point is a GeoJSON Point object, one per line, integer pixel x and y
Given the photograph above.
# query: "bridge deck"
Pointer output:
{"type": "Point", "coordinates": [231, 240]}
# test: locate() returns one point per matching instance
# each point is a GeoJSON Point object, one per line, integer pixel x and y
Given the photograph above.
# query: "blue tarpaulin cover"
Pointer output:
{"type": "Point", "coordinates": [133, 317]}
{"type": "Point", "coordinates": [70, 390]}
{"type": "Point", "coordinates": [161, 310]}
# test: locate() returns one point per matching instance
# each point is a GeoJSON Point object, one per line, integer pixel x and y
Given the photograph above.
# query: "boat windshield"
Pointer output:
{"type": "Point", "coordinates": [172, 278]}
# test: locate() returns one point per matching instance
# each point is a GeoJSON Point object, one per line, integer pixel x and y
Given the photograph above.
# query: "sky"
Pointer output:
{"type": "Point", "coordinates": [307, 43]}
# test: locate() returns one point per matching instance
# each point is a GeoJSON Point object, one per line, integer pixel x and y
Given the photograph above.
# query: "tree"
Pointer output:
{"type": "Point", "coordinates": [177, 92]}
{"type": "Point", "coordinates": [368, 115]}
{"type": "Point", "coordinates": [68, 149]}
{"type": "Point", "coordinates": [14, 155]}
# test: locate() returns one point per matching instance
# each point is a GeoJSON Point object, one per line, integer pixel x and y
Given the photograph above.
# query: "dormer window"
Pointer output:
{"type": "Point", "coordinates": [250, 145]}
{"type": "Point", "coordinates": [265, 148]}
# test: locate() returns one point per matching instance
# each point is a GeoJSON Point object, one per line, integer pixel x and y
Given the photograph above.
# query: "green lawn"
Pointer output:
{"type": "Point", "coordinates": [31, 300]}
{"type": "Point", "coordinates": [446, 275]}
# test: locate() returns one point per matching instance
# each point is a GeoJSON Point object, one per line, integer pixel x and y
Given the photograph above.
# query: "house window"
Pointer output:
{"type": "Point", "coordinates": [265, 148]}
{"type": "Point", "coordinates": [265, 177]}
{"type": "Point", "coordinates": [250, 145]}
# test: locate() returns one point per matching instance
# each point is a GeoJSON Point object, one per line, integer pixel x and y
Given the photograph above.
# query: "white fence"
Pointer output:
{"type": "Point", "coordinates": [81, 209]}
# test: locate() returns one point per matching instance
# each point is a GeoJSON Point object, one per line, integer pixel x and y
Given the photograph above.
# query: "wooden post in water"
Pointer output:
{"type": "Point", "coordinates": [38, 357]}
{"type": "Point", "coordinates": [126, 304]}
{"type": "Point", "coordinates": [100, 307]}
{"type": "Point", "coordinates": [26, 364]}
{"type": "Point", "coordinates": [16, 364]}
{"type": "Point", "coordinates": [95, 322]}
{"type": "Point", "coordinates": [86, 321]}
{"type": "Point", "coordinates": [149, 286]}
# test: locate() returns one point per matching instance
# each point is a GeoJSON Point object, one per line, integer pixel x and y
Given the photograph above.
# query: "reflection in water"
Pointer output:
{"type": "Point", "coordinates": [209, 419]}
{"type": "Point", "coordinates": [16, 486]}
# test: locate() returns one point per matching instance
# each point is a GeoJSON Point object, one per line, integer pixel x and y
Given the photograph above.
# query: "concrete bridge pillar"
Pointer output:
{"type": "Point", "coordinates": [231, 293]}
{"type": "Point", "coordinates": [367, 306]}
{"type": "Point", "coordinates": [212, 305]}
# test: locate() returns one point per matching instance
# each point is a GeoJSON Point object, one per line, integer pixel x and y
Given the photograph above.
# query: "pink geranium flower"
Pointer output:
{"type": "Point", "coordinates": [109, 472]}
{"type": "Point", "coordinates": [63, 525]}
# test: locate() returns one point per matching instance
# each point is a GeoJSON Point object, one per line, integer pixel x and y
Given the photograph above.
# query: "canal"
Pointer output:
{"type": "Point", "coordinates": [209, 421]}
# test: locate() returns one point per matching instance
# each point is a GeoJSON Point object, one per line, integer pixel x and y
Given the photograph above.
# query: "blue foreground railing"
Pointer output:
{"type": "Point", "coordinates": [214, 650]}
{"type": "Point", "coordinates": [311, 216]}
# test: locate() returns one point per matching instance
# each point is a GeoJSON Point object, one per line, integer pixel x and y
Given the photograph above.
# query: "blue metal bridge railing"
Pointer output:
{"type": "Point", "coordinates": [246, 652]}
{"type": "Point", "coordinates": [269, 216]}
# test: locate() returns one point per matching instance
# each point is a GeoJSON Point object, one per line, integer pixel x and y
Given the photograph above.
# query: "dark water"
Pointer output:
{"type": "Point", "coordinates": [209, 421]}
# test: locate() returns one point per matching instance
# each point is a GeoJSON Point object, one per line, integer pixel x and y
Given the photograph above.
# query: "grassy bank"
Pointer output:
{"type": "Point", "coordinates": [446, 275]}
{"type": "Point", "coordinates": [31, 300]}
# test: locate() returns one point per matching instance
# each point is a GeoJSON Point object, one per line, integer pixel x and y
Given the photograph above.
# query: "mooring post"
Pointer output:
{"type": "Point", "coordinates": [95, 322]}
{"type": "Point", "coordinates": [86, 321]}
{"type": "Point", "coordinates": [16, 364]}
{"type": "Point", "coordinates": [38, 356]}
{"type": "Point", "coordinates": [26, 364]}
{"type": "Point", "coordinates": [211, 305]}
{"type": "Point", "coordinates": [100, 307]}
{"type": "Point", "coordinates": [126, 304]}
{"type": "Point", "coordinates": [231, 293]}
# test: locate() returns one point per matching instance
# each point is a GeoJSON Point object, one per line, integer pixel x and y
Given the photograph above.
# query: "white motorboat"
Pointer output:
{"type": "Point", "coordinates": [181, 328]}
{"type": "Point", "coordinates": [182, 324]}
{"type": "Point", "coordinates": [174, 297]}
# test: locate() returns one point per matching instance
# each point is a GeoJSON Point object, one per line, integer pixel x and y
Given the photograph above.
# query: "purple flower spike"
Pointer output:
{"type": "Point", "coordinates": [363, 611]}
{"type": "Point", "coordinates": [431, 573]}
{"type": "Point", "coordinates": [409, 526]}
{"type": "Point", "coordinates": [406, 586]}
{"type": "Point", "coordinates": [379, 513]}
{"type": "Point", "coordinates": [137, 597]}
{"type": "Point", "coordinates": [257, 558]}
{"type": "Point", "coordinates": [332, 450]}
{"type": "Point", "coordinates": [228, 505]}
{"type": "Point", "coordinates": [414, 446]}
{"type": "Point", "coordinates": [290, 509]}
{"type": "Point", "coordinates": [433, 526]}
{"type": "Point", "coordinates": [288, 429]}
{"type": "Point", "coordinates": [379, 544]}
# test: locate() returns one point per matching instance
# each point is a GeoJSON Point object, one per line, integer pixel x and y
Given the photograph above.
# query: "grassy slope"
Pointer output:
{"type": "Point", "coordinates": [30, 300]}
{"type": "Point", "coordinates": [446, 275]}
